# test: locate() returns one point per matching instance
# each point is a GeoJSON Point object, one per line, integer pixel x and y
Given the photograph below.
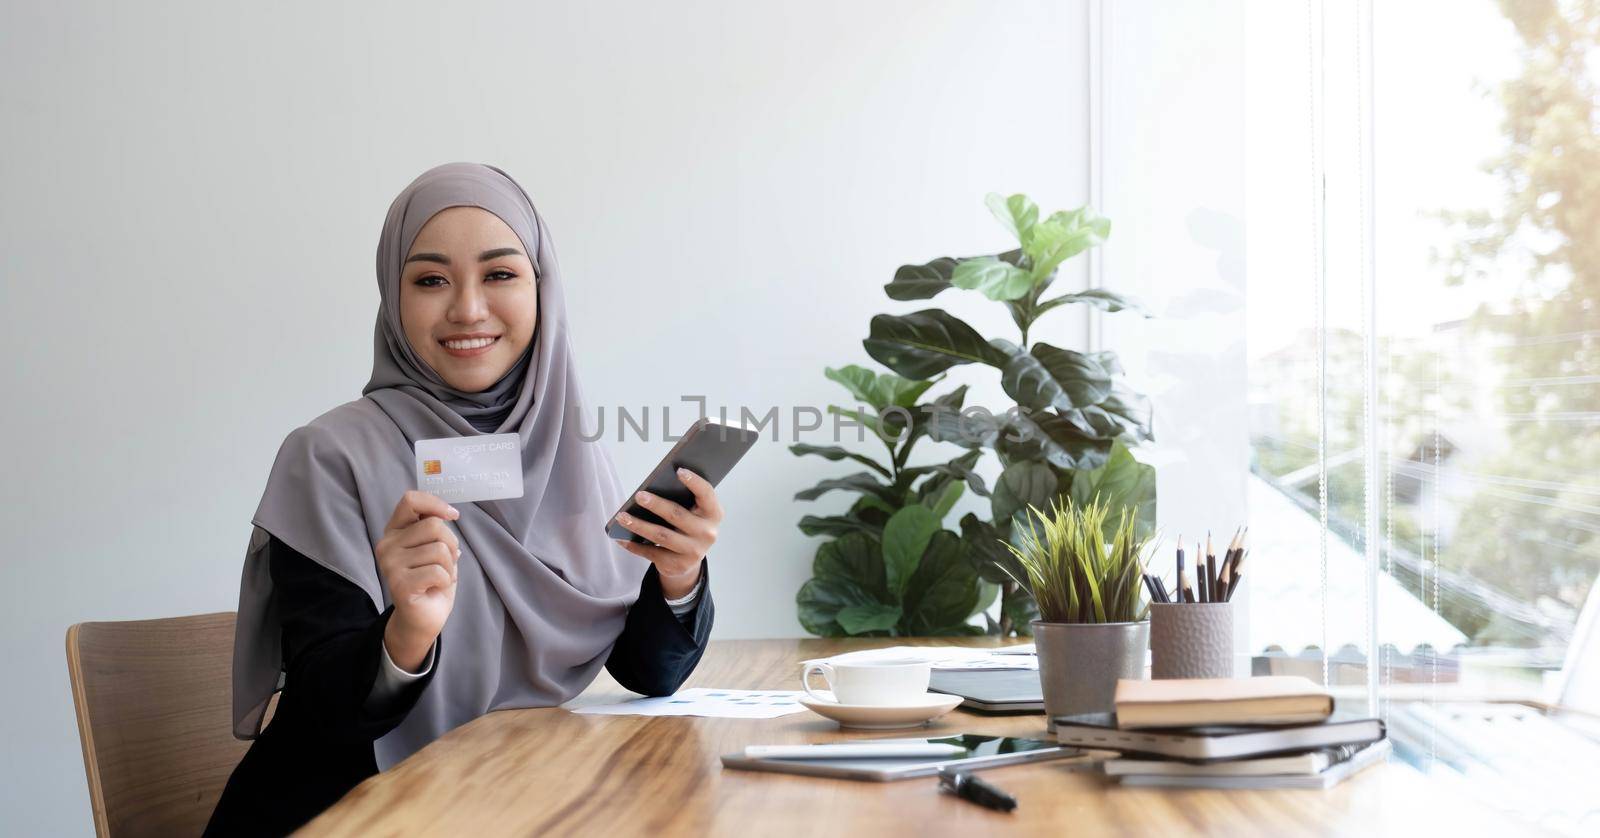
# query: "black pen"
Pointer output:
{"type": "Point", "coordinates": [964, 785]}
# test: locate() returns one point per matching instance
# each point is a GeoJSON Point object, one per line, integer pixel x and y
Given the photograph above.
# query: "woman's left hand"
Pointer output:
{"type": "Point", "coordinates": [678, 549]}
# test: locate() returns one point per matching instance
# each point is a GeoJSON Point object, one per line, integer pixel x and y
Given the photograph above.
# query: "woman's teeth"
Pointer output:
{"type": "Point", "coordinates": [475, 343]}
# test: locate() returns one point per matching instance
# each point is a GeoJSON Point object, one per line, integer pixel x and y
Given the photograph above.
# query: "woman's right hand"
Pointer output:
{"type": "Point", "coordinates": [417, 561]}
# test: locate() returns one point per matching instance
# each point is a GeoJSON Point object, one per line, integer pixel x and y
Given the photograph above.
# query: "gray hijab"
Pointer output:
{"type": "Point", "coordinates": [541, 591]}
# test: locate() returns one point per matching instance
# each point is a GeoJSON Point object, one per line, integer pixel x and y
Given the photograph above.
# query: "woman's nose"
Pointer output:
{"type": "Point", "coordinates": [469, 305]}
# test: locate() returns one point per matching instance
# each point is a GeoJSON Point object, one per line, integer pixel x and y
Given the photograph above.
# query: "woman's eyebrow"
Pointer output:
{"type": "Point", "coordinates": [497, 253]}
{"type": "Point", "coordinates": [445, 260]}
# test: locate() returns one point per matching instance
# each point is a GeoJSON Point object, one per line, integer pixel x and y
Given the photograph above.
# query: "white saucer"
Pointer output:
{"type": "Point", "coordinates": [920, 711]}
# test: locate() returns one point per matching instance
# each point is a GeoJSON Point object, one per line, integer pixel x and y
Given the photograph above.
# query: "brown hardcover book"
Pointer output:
{"type": "Point", "coordinates": [1186, 702]}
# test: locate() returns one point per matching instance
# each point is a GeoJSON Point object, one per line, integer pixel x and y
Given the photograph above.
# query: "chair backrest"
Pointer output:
{"type": "Point", "coordinates": [155, 715]}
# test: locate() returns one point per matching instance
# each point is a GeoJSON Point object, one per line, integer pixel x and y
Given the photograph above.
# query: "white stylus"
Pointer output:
{"type": "Point", "coordinates": [849, 750]}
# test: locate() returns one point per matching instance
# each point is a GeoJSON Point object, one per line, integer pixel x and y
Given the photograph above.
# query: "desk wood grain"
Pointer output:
{"type": "Point", "coordinates": [550, 772]}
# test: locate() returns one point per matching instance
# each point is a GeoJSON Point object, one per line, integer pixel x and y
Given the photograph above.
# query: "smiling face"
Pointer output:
{"type": "Point", "coordinates": [468, 301]}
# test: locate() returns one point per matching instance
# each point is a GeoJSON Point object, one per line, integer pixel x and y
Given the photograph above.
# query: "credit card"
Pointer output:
{"type": "Point", "coordinates": [462, 469]}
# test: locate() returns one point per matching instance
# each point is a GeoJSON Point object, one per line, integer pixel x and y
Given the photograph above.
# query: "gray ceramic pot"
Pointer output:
{"type": "Point", "coordinates": [1191, 640]}
{"type": "Point", "coordinates": [1079, 663]}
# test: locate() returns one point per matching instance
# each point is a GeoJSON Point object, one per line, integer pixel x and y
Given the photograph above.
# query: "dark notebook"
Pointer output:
{"type": "Point", "coordinates": [992, 690]}
{"type": "Point", "coordinates": [1218, 742]}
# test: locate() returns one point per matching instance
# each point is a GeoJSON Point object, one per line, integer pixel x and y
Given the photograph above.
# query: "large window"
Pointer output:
{"type": "Point", "coordinates": [1424, 366]}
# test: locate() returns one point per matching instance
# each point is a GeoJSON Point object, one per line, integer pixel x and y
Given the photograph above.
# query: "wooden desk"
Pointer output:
{"type": "Point", "coordinates": [549, 771]}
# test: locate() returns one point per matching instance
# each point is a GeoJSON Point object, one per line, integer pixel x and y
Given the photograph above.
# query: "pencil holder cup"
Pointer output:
{"type": "Point", "coordinates": [1191, 640]}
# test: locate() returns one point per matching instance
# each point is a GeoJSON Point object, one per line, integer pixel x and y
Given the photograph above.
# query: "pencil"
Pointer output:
{"type": "Point", "coordinates": [1199, 572]}
{"type": "Point", "coordinates": [1225, 573]}
{"type": "Point", "coordinates": [1187, 588]}
{"type": "Point", "coordinates": [1238, 562]}
{"type": "Point", "coordinates": [1238, 552]}
{"type": "Point", "coordinates": [1178, 580]}
{"type": "Point", "coordinates": [1211, 570]}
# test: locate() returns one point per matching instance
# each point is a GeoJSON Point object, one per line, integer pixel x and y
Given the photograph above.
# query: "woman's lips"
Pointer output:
{"type": "Point", "coordinates": [470, 353]}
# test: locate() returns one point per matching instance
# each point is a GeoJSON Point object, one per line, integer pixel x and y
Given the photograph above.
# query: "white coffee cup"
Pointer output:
{"type": "Point", "coordinates": [882, 683]}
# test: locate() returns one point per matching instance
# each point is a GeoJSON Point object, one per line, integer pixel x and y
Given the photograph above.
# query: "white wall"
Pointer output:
{"type": "Point", "coordinates": [1171, 86]}
{"type": "Point", "coordinates": [190, 196]}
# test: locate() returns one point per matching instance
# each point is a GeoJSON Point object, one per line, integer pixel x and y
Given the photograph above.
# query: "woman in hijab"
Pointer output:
{"type": "Point", "coordinates": [384, 617]}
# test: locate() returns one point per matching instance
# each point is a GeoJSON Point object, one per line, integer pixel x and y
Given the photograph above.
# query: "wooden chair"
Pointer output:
{"type": "Point", "coordinates": [155, 715]}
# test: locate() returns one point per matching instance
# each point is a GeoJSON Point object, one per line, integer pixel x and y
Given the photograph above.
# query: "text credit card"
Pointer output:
{"type": "Point", "coordinates": [462, 469]}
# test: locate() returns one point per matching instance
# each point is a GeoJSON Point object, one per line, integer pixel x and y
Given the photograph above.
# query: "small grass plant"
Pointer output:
{"type": "Point", "coordinates": [1075, 573]}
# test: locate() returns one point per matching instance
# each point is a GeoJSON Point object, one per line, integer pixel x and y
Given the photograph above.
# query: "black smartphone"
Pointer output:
{"type": "Point", "coordinates": [709, 448]}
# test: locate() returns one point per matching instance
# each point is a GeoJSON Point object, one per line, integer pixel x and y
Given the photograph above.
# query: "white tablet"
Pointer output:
{"type": "Point", "coordinates": [981, 752]}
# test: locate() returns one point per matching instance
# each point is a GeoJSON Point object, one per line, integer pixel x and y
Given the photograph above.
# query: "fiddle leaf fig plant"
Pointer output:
{"type": "Point", "coordinates": [1073, 421]}
{"type": "Point", "coordinates": [891, 568]}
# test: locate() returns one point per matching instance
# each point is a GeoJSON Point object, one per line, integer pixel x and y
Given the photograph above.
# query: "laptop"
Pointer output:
{"type": "Point", "coordinates": [992, 690]}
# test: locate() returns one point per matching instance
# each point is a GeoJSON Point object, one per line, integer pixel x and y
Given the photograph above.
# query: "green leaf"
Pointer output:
{"type": "Point", "coordinates": [835, 453]}
{"type": "Point", "coordinates": [996, 279]}
{"type": "Point", "coordinates": [975, 430]}
{"type": "Point", "coordinates": [1052, 438]}
{"type": "Point", "coordinates": [957, 630]}
{"type": "Point", "coordinates": [872, 510]}
{"type": "Point", "coordinates": [837, 525]}
{"type": "Point", "coordinates": [943, 591]}
{"type": "Point", "coordinates": [1097, 297]}
{"type": "Point", "coordinates": [988, 592]}
{"type": "Point", "coordinates": [861, 481]}
{"type": "Point", "coordinates": [1049, 376]}
{"type": "Point", "coordinates": [905, 538]}
{"type": "Point", "coordinates": [1020, 607]}
{"type": "Point", "coordinates": [821, 598]}
{"type": "Point", "coordinates": [961, 468]}
{"type": "Point", "coordinates": [1017, 214]}
{"type": "Point", "coordinates": [1023, 483]}
{"type": "Point", "coordinates": [867, 421]}
{"type": "Point", "coordinates": [923, 343]}
{"type": "Point", "coordinates": [880, 391]}
{"type": "Point", "coordinates": [1095, 422]}
{"type": "Point", "coordinates": [944, 499]}
{"type": "Point", "coordinates": [1063, 235]}
{"type": "Point", "coordinates": [1122, 482]}
{"type": "Point", "coordinates": [901, 392]}
{"type": "Point", "coordinates": [856, 557]}
{"type": "Point", "coordinates": [1123, 413]}
{"type": "Point", "coordinates": [921, 415]}
{"type": "Point", "coordinates": [877, 506]}
{"type": "Point", "coordinates": [921, 282]}
{"type": "Point", "coordinates": [861, 619]}
{"type": "Point", "coordinates": [1133, 409]}
{"type": "Point", "coordinates": [860, 381]}
{"type": "Point", "coordinates": [983, 544]}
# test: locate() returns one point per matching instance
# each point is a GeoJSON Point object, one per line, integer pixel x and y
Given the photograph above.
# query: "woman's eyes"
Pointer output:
{"type": "Point", "coordinates": [426, 281]}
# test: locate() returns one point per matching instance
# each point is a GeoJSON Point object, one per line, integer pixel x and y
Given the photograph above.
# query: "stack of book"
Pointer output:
{"type": "Point", "coordinates": [1272, 732]}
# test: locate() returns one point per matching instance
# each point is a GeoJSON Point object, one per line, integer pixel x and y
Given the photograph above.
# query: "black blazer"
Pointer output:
{"type": "Point", "coordinates": [319, 743]}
